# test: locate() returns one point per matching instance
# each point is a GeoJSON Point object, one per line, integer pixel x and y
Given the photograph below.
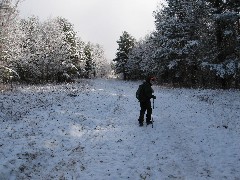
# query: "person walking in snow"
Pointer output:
{"type": "Point", "coordinates": [144, 95]}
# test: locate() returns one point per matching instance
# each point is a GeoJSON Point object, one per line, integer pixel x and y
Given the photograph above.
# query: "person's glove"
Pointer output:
{"type": "Point", "coordinates": [154, 97]}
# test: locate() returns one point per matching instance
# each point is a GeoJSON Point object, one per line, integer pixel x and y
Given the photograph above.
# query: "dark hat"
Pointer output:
{"type": "Point", "coordinates": [150, 78]}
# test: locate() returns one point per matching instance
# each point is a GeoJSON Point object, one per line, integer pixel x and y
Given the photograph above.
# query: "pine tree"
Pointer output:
{"type": "Point", "coordinates": [8, 24]}
{"type": "Point", "coordinates": [70, 36]}
{"type": "Point", "coordinates": [140, 61]}
{"type": "Point", "coordinates": [125, 45]}
{"type": "Point", "coordinates": [89, 66]}
{"type": "Point", "coordinates": [178, 38]}
{"type": "Point", "coordinates": [223, 60]}
{"type": "Point", "coordinates": [9, 39]}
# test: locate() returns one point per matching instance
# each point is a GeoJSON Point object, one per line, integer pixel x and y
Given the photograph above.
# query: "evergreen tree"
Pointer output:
{"type": "Point", "coordinates": [178, 38]}
{"type": "Point", "coordinates": [89, 66]}
{"type": "Point", "coordinates": [125, 45]}
{"type": "Point", "coordinates": [196, 43]}
{"type": "Point", "coordinates": [70, 36]}
{"type": "Point", "coordinates": [222, 64]}
{"type": "Point", "coordinates": [8, 23]}
{"type": "Point", "coordinates": [135, 58]}
{"type": "Point", "coordinates": [225, 15]}
{"type": "Point", "coordinates": [79, 60]}
{"type": "Point", "coordinates": [8, 36]}
{"type": "Point", "coordinates": [140, 61]}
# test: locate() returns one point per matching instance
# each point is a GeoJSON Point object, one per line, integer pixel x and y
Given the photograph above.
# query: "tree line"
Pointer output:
{"type": "Point", "coordinates": [196, 43]}
{"type": "Point", "coordinates": [33, 51]}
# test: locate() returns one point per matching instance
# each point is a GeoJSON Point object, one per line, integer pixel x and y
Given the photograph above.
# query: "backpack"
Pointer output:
{"type": "Point", "coordinates": [139, 93]}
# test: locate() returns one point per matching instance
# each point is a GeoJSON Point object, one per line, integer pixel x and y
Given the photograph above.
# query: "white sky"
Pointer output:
{"type": "Point", "coordinates": [98, 21]}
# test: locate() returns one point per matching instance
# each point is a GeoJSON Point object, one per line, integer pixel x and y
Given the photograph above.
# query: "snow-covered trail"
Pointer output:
{"type": "Point", "coordinates": [202, 143]}
{"type": "Point", "coordinates": [90, 131]}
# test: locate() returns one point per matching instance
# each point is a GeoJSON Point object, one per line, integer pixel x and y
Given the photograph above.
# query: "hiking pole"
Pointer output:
{"type": "Point", "coordinates": [152, 115]}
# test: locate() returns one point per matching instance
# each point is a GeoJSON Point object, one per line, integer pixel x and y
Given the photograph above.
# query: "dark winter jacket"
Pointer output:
{"type": "Point", "coordinates": [147, 91]}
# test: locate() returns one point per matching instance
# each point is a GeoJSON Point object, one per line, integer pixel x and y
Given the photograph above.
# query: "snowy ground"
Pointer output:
{"type": "Point", "coordinates": [89, 130]}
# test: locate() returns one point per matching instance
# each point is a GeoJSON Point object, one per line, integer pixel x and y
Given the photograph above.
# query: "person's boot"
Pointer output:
{"type": "Point", "coordinates": [149, 122]}
{"type": "Point", "coordinates": [140, 122]}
